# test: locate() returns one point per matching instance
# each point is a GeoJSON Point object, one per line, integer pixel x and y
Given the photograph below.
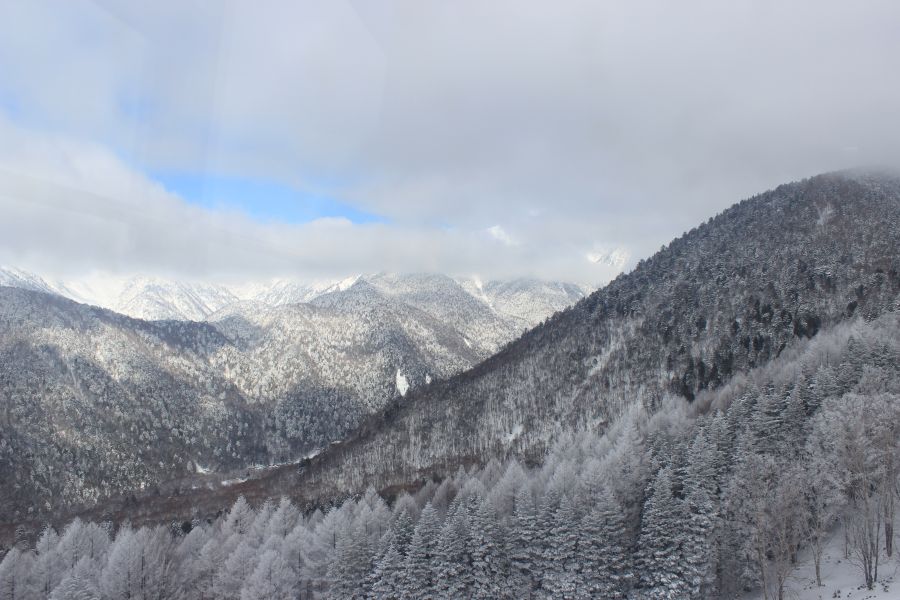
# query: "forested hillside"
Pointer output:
{"type": "Point", "coordinates": [725, 297]}
{"type": "Point", "coordinates": [695, 501]}
{"type": "Point", "coordinates": [688, 431]}
{"type": "Point", "coordinates": [94, 403]}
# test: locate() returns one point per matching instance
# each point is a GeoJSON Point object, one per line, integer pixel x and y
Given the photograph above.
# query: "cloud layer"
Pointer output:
{"type": "Point", "coordinates": [503, 138]}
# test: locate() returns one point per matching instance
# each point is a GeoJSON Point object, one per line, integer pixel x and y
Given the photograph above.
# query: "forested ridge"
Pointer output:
{"type": "Point", "coordinates": [695, 429]}
{"type": "Point", "coordinates": [95, 404]}
{"type": "Point", "coordinates": [694, 501]}
{"type": "Point", "coordinates": [724, 298]}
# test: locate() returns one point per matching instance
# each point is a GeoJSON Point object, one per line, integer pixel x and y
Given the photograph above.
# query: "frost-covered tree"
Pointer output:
{"type": "Point", "coordinates": [659, 562]}
{"type": "Point", "coordinates": [234, 571]}
{"type": "Point", "coordinates": [605, 568]}
{"type": "Point", "coordinates": [420, 576]}
{"type": "Point", "coordinates": [486, 549]}
{"type": "Point", "coordinates": [80, 583]}
{"type": "Point", "coordinates": [350, 567]}
{"type": "Point", "coordinates": [388, 578]}
{"type": "Point", "coordinates": [138, 566]}
{"type": "Point", "coordinates": [523, 546]}
{"type": "Point", "coordinates": [454, 561]}
{"type": "Point", "coordinates": [272, 579]}
{"type": "Point", "coordinates": [16, 570]}
{"type": "Point", "coordinates": [727, 506]}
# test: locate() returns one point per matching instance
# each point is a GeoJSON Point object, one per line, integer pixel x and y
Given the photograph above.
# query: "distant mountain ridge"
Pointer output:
{"type": "Point", "coordinates": [722, 409]}
{"type": "Point", "coordinates": [93, 402]}
{"type": "Point", "coordinates": [523, 301]}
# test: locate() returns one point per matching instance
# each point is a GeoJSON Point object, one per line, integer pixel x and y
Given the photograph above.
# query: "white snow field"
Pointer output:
{"type": "Point", "coordinates": [841, 577]}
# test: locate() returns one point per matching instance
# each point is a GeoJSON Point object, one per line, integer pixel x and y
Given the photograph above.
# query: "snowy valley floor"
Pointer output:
{"type": "Point", "coordinates": [841, 578]}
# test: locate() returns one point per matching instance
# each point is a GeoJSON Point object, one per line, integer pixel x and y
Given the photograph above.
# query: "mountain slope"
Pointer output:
{"type": "Point", "coordinates": [356, 340]}
{"type": "Point", "coordinates": [525, 302]}
{"type": "Point", "coordinates": [449, 302]}
{"type": "Point", "coordinates": [284, 291]}
{"type": "Point", "coordinates": [96, 403]}
{"type": "Point", "coordinates": [157, 299]}
{"type": "Point", "coordinates": [17, 278]}
{"type": "Point", "coordinates": [725, 297]}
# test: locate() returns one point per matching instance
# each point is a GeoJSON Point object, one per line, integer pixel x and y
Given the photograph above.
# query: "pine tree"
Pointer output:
{"type": "Point", "coordinates": [80, 583]}
{"type": "Point", "coordinates": [239, 518]}
{"type": "Point", "coordinates": [628, 471]}
{"type": "Point", "coordinates": [139, 565]}
{"type": "Point", "coordinates": [258, 529]}
{"type": "Point", "coordinates": [604, 569]}
{"type": "Point", "coordinates": [387, 579]}
{"type": "Point", "coordinates": [232, 573]}
{"type": "Point", "coordinates": [522, 545]}
{"type": "Point", "coordinates": [284, 519]}
{"type": "Point", "coordinates": [272, 579]}
{"type": "Point", "coordinates": [46, 573]}
{"type": "Point", "coordinates": [698, 541]}
{"type": "Point", "coordinates": [419, 573]}
{"type": "Point", "coordinates": [796, 422]}
{"type": "Point", "coordinates": [454, 565]}
{"type": "Point", "coordinates": [722, 447]}
{"type": "Point", "coordinates": [318, 554]}
{"type": "Point", "coordinates": [767, 424]}
{"type": "Point", "coordinates": [375, 517]}
{"type": "Point", "coordinates": [744, 511]}
{"type": "Point", "coordinates": [488, 561]}
{"type": "Point", "coordinates": [545, 524]}
{"type": "Point", "coordinates": [347, 572]}
{"type": "Point", "coordinates": [15, 571]}
{"type": "Point", "coordinates": [562, 577]}
{"type": "Point", "coordinates": [204, 568]}
{"type": "Point", "coordinates": [502, 496]}
{"type": "Point", "coordinates": [697, 546]}
{"type": "Point", "coordinates": [658, 558]}
{"type": "Point", "coordinates": [403, 528]}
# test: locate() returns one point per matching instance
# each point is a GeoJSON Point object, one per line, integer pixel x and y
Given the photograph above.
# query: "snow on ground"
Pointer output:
{"type": "Point", "coordinates": [512, 435]}
{"type": "Point", "coordinates": [841, 578]}
{"type": "Point", "coordinates": [402, 383]}
{"type": "Point", "coordinates": [227, 482]}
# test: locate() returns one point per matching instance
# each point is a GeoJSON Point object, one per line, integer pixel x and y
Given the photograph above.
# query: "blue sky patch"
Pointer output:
{"type": "Point", "coordinates": [262, 200]}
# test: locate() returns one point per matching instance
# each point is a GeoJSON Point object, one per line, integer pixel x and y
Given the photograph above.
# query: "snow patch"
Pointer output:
{"type": "Point", "coordinates": [825, 214]}
{"type": "Point", "coordinates": [227, 482]}
{"type": "Point", "coordinates": [615, 258]}
{"type": "Point", "coordinates": [841, 578]}
{"type": "Point", "coordinates": [512, 435]}
{"type": "Point", "coordinates": [402, 383]}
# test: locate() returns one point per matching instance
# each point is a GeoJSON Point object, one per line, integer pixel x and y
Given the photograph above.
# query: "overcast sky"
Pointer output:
{"type": "Point", "coordinates": [247, 140]}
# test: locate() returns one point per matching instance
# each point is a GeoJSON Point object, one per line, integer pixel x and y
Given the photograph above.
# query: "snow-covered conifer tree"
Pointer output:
{"type": "Point", "coordinates": [272, 579]}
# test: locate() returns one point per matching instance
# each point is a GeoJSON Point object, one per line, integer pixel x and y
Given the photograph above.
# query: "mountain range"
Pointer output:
{"type": "Point", "coordinates": [725, 298]}
{"type": "Point", "coordinates": [96, 402]}
{"type": "Point", "coordinates": [686, 431]}
{"type": "Point", "coordinates": [521, 302]}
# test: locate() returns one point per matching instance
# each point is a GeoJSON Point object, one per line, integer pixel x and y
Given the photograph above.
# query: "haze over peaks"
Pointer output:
{"type": "Point", "coordinates": [525, 301]}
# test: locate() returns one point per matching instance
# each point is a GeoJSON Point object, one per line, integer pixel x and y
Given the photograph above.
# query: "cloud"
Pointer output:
{"type": "Point", "coordinates": [575, 128]}
{"type": "Point", "coordinates": [73, 209]}
{"type": "Point", "coordinates": [616, 258]}
{"type": "Point", "coordinates": [499, 234]}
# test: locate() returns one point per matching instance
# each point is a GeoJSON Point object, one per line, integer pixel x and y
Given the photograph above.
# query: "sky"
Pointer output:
{"type": "Point", "coordinates": [560, 140]}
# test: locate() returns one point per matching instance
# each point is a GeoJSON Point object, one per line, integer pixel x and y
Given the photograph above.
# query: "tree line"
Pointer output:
{"type": "Point", "coordinates": [700, 500]}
